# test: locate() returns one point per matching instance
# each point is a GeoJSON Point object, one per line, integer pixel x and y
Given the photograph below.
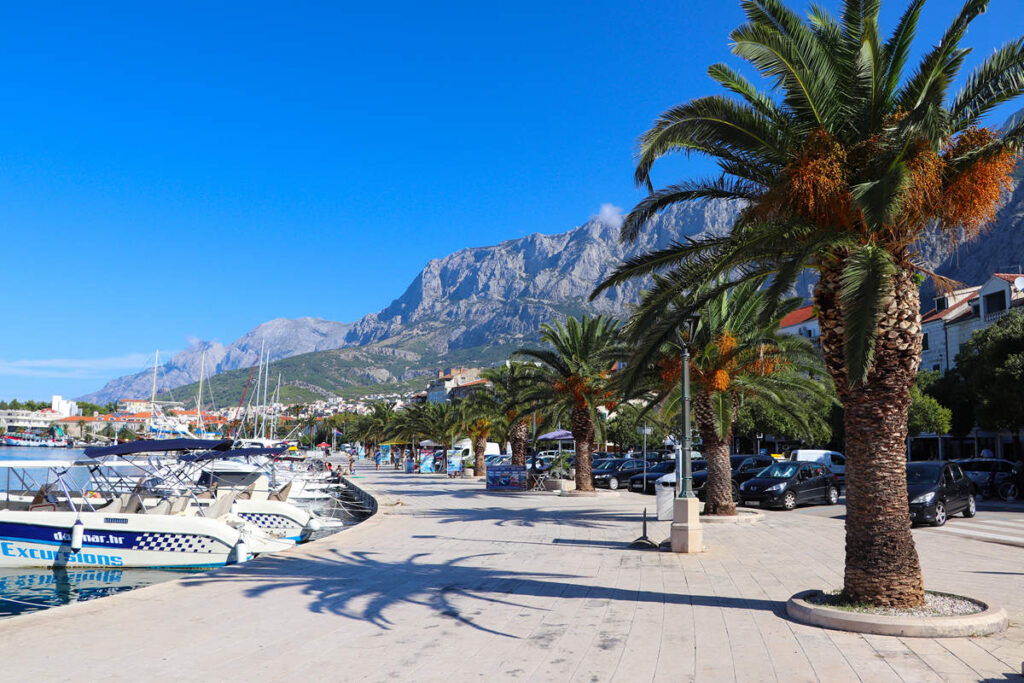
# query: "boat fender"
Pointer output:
{"type": "Point", "coordinates": [312, 526]}
{"type": "Point", "coordinates": [240, 553]}
{"type": "Point", "coordinates": [233, 521]}
{"type": "Point", "coordinates": [77, 534]}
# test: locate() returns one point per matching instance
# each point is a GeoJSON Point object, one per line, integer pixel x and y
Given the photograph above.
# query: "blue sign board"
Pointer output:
{"type": "Point", "coordinates": [454, 464]}
{"type": "Point", "coordinates": [506, 478]}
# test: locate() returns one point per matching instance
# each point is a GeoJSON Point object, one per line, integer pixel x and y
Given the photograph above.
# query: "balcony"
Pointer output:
{"type": "Point", "coordinates": [994, 315]}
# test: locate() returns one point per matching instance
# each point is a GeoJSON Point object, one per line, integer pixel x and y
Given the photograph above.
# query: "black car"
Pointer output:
{"type": "Point", "coordinates": [644, 482]}
{"type": "Point", "coordinates": [743, 467]}
{"type": "Point", "coordinates": [937, 490]}
{"type": "Point", "coordinates": [787, 484]}
{"type": "Point", "coordinates": [614, 471]}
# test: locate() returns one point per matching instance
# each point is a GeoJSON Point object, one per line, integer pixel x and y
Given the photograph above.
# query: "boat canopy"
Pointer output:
{"type": "Point", "coordinates": [236, 453]}
{"type": "Point", "coordinates": [157, 446]}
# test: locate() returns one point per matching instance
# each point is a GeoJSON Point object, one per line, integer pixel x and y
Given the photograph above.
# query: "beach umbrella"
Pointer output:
{"type": "Point", "coordinates": [427, 443]}
{"type": "Point", "coordinates": [557, 435]}
{"type": "Point", "coordinates": [323, 444]}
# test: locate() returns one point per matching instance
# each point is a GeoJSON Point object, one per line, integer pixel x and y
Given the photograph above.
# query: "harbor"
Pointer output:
{"type": "Point", "coordinates": [450, 582]}
{"type": "Point", "coordinates": [79, 525]}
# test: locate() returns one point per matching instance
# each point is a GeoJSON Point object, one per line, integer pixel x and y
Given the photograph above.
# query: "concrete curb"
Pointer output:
{"type": "Point", "coordinates": [741, 517]}
{"type": "Point", "coordinates": [988, 621]}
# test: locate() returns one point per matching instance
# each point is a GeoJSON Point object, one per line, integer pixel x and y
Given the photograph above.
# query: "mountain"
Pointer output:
{"type": "Point", "coordinates": [283, 337]}
{"type": "Point", "coordinates": [459, 309]}
{"type": "Point", "coordinates": [487, 295]}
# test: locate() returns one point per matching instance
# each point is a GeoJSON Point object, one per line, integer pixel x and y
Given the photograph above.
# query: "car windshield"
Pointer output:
{"type": "Point", "coordinates": [602, 464]}
{"type": "Point", "coordinates": [779, 471]}
{"type": "Point", "coordinates": [923, 472]}
{"type": "Point", "coordinates": [975, 466]}
{"type": "Point", "coordinates": [666, 466]}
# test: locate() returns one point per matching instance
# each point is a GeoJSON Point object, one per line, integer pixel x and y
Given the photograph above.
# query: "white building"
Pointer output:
{"type": "Point", "coordinates": [64, 408]}
{"type": "Point", "coordinates": [802, 322]}
{"type": "Point", "coordinates": [958, 314]}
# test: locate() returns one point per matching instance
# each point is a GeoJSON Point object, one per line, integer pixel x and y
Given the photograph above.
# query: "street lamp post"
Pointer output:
{"type": "Point", "coordinates": [684, 460]}
{"type": "Point", "coordinates": [687, 535]}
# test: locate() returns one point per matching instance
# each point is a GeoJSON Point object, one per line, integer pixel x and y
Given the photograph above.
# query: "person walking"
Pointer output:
{"type": "Point", "coordinates": [376, 459]}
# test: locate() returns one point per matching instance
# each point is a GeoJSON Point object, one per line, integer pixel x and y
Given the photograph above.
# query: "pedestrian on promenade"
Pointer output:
{"type": "Point", "coordinates": [351, 462]}
{"type": "Point", "coordinates": [376, 459]}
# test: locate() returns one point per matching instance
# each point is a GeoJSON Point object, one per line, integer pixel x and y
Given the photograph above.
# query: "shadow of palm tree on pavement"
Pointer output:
{"type": "Point", "coordinates": [361, 586]}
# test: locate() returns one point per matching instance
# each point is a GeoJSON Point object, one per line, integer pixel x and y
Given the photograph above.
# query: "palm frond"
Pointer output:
{"type": "Point", "coordinates": [866, 277]}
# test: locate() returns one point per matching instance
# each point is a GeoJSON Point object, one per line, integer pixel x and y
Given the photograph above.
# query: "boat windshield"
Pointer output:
{"type": "Point", "coordinates": [923, 472]}
{"type": "Point", "coordinates": [779, 471]}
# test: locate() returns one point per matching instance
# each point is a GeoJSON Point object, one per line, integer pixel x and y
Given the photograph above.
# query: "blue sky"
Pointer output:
{"type": "Point", "coordinates": [183, 170]}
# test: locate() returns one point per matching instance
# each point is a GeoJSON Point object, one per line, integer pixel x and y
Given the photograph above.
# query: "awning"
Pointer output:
{"type": "Point", "coordinates": [158, 446]}
{"type": "Point", "coordinates": [557, 435]}
{"type": "Point", "coordinates": [427, 443]}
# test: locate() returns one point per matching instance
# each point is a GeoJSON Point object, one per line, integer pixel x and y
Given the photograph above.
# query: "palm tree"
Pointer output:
{"type": "Point", "coordinates": [480, 415]}
{"type": "Point", "coordinates": [841, 173]}
{"type": "Point", "coordinates": [511, 404]}
{"type": "Point", "coordinates": [735, 355]}
{"type": "Point", "coordinates": [574, 378]}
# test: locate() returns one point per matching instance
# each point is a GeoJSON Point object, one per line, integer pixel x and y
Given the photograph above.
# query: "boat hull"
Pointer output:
{"type": "Point", "coordinates": [43, 539]}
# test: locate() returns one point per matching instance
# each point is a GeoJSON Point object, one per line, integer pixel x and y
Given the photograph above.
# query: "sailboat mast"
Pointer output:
{"type": "Point", "coordinates": [199, 398]}
{"type": "Point", "coordinates": [156, 362]}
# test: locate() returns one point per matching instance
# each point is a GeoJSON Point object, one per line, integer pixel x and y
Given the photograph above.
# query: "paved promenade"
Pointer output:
{"type": "Point", "coordinates": [455, 584]}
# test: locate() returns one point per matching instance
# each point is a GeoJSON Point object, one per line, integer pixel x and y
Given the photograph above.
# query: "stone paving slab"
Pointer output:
{"type": "Point", "coordinates": [453, 583]}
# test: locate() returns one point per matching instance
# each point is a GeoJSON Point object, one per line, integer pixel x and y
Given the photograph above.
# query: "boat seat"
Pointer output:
{"type": "Point", "coordinates": [220, 507]}
{"type": "Point", "coordinates": [133, 504]}
{"type": "Point", "coordinates": [178, 505]}
{"type": "Point", "coordinates": [161, 508]}
{"type": "Point", "coordinates": [114, 506]}
{"type": "Point", "coordinates": [282, 493]}
{"type": "Point", "coordinates": [208, 493]}
{"type": "Point", "coordinates": [247, 493]}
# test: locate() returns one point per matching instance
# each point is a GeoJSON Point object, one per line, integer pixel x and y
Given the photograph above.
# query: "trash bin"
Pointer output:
{"type": "Point", "coordinates": [665, 494]}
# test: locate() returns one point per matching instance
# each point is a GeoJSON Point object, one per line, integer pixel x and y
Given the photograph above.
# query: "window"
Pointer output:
{"type": "Point", "coordinates": [935, 367]}
{"type": "Point", "coordinates": [995, 302]}
{"type": "Point", "coordinates": [947, 476]}
{"type": "Point", "coordinates": [941, 303]}
{"type": "Point", "coordinates": [838, 460]}
{"type": "Point", "coordinates": [924, 342]}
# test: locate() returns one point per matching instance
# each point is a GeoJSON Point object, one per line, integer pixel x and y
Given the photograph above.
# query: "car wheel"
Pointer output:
{"type": "Point", "coordinates": [789, 500]}
{"type": "Point", "coordinates": [833, 496]}
{"type": "Point", "coordinates": [613, 483]}
{"type": "Point", "coordinates": [735, 493]}
{"type": "Point", "coordinates": [972, 507]}
{"type": "Point", "coordinates": [940, 514]}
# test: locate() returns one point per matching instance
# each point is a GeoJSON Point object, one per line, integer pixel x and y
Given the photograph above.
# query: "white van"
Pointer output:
{"type": "Point", "coordinates": [834, 460]}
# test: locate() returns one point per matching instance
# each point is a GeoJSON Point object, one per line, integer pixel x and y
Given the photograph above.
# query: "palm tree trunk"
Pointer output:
{"type": "Point", "coordinates": [882, 565]}
{"type": "Point", "coordinates": [517, 437]}
{"type": "Point", "coordinates": [583, 435]}
{"type": "Point", "coordinates": [718, 489]}
{"type": "Point", "coordinates": [479, 450]}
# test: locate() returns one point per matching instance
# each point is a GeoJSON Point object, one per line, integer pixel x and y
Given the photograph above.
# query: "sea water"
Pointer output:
{"type": "Point", "coordinates": [25, 590]}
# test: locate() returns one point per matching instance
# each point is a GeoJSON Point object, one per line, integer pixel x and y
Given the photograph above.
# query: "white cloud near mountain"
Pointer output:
{"type": "Point", "coordinates": [610, 215]}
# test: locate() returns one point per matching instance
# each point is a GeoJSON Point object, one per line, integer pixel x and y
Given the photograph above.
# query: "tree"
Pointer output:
{"type": "Point", "coordinates": [991, 365]}
{"type": "Point", "coordinates": [757, 415]}
{"type": "Point", "coordinates": [481, 415]}
{"type": "Point", "coordinates": [573, 378]}
{"type": "Point", "coordinates": [735, 354]}
{"type": "Point", "coordinates": [509, 396]}
{"type": "Point", "coordinates": [629, 417]}
{"type": "Point", "coordinates": [840, 174]}
{"type": "Point", "coordinates": [926, 414]}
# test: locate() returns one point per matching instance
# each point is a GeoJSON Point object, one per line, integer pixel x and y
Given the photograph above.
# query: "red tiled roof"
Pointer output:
{"type": "Point", "coordinates": [1009, 277]}
{"type": "Point", "coordinates": [474, 383]}
{"type": "Point", "coordinates": [800, 315]}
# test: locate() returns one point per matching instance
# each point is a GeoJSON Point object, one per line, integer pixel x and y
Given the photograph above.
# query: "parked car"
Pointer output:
{"type": "Point", "coordinates": [937, 490]}
{"type": "Point", "coordinates": [613, 471]}
{"type": "Point", "coordinates": [786, 484]}
{"type": "Point", "coordinates": [669, 479]}
{"type": "Point", "coordinates": [743, 467]}
{"type": "Point", "coordinates": [833, 460]}
{"type": "Point", "coordinates": [644, 481]}
{"type": "Point", "coordinates": [988, 473]}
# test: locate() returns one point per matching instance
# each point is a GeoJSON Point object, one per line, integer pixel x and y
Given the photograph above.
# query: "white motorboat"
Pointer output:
{"type": "Point", "coordinates": [52, 530]}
